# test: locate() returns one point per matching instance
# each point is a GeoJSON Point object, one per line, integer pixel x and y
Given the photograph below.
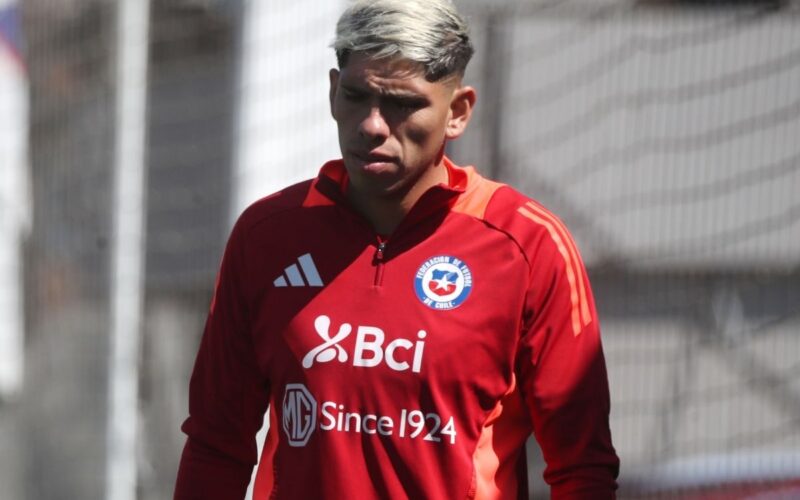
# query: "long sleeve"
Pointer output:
{"type": "Point", "coordinates": [563, 374]}
{"type": "Point", "coordinates": [228, 395]}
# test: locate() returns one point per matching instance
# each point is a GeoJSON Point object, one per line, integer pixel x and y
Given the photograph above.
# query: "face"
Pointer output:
{"type": "Point", "coordinates": [393, 123]}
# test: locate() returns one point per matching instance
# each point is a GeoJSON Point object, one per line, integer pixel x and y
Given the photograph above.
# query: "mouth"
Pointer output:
{"type": "Point", "coordinates": [375, 162]}
{"type": "Point", "coordinates": [374, 157]}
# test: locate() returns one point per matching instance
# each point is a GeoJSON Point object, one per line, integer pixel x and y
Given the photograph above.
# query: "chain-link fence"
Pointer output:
{"type": "Point", "coordinates": [665, 134]}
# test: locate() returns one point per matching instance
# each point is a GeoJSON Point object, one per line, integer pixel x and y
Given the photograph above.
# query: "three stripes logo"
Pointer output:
{"type": "Point", "coordinates": [292, 275]}
{"type": "Point", "coordinates": [581, 316]}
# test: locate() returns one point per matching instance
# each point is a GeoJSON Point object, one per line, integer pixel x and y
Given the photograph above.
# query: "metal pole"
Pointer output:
{"type": "Point", "coordinates": [128, 246]}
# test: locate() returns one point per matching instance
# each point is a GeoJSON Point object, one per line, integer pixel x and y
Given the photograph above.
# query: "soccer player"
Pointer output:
{"type": "Point", "coordinates": [407, 322]}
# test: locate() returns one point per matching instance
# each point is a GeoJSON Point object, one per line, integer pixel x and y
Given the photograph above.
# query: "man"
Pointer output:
{"type": "Point", "coordinates": [407, 322]}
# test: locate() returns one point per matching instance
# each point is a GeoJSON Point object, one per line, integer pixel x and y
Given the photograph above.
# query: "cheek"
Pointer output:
{"type": "Point", "coordinates": [426, 130]}
{"type": "Point", "coordinates": [418, 136]}
{"type": "Point", "coordinates": [339, 114]}
{"type": "Point", "coordinates": [344, 113]}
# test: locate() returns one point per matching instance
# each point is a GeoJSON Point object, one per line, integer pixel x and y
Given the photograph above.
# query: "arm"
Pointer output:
{"type": "Point", "coordinates": [563, 373]}
{"type": "Point", "coordinates": [227, 393]}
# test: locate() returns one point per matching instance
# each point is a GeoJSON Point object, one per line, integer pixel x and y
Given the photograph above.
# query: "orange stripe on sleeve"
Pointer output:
{"type": "Point", "coordinates": [586, 315]}
{"type": "Point", "coordinates": [562, 249]}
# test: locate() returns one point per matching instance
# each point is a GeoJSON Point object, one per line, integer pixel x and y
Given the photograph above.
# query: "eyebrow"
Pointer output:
{"type": "Point", "coordinates": [397, 94]}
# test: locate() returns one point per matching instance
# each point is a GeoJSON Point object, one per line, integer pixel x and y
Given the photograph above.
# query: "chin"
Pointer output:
{"type": "Point", "coordinates": [377, 186]}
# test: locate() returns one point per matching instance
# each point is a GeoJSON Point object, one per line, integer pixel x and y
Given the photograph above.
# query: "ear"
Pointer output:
{"type": "Point", "coordinates": [460, 111]}
{"type": "Point", "coordinates": [333, 76]}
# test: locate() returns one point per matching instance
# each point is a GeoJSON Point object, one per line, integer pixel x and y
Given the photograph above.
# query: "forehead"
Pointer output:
{"type": "Point", "coordinates": [365, 71]}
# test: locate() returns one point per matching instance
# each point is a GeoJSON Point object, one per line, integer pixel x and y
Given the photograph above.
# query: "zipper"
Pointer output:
{"type": "Point", "coordinates": [379, 262]}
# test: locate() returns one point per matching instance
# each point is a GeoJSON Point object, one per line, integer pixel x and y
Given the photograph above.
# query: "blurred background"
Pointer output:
{"type": "Point", "coordinates": [666, 134]}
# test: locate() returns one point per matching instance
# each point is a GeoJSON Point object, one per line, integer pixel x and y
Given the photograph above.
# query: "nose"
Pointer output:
{"type": "Point", "coordinates": [374, 125]}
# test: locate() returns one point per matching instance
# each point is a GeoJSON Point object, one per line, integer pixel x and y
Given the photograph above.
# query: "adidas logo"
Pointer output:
{"type": "Point", "coordinates": [292, 276]}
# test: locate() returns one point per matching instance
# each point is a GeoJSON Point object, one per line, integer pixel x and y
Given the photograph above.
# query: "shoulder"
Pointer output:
{"type": "Point", "coordinates": [536, 230]}
{"type": "Point", "coordinates": [280, 203]}
{"type": "Point", "coordinates": [530, 223]}
{"type": "Point", "coordinates": [557, 273]}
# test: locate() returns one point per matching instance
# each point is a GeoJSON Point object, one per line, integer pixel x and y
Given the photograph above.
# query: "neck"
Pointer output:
{"type": "Point", "coordinates": [385, 213]}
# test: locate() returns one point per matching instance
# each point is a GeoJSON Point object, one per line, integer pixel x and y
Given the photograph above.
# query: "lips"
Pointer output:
{"type": "Point", "coordinates": [376, 163]}
{"type": "Point", "coordinates": [375, 157]}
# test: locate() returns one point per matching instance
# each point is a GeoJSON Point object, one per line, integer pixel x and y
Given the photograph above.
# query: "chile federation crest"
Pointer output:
{"type": "Point", "coordinates": [443, 282]}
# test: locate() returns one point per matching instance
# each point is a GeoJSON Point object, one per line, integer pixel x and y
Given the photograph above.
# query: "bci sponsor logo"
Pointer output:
{"type": "Point", "coordinates": [399, 355]}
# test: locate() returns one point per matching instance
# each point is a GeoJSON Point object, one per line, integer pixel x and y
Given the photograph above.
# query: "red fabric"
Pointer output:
{"type": "Point", "coordinates": [376, 394]}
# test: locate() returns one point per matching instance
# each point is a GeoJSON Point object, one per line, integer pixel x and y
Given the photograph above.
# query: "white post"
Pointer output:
{"type": "Point", "coordinates": [15, 201]}
{"type": "Point", "coordinates": [128, 246]}
{"type": "Point", "coordinates": [285, 61]}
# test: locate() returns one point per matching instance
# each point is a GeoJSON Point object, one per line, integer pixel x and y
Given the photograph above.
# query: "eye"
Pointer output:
{"type": "Point", "coordinates": [408, 105]}
{"type": "Point", "coordinates": [353, 95]}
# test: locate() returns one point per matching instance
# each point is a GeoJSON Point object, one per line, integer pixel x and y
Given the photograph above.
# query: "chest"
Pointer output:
{"type": "Point", "coordinates": [434, 315]}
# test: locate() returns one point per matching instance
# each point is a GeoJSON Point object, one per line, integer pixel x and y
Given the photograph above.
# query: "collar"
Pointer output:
{"type": "Point", "coordinates": [330, 186]}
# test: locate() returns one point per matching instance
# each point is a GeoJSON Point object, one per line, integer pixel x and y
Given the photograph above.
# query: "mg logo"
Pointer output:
{"type": "Point", "coordinates": [299, 414]}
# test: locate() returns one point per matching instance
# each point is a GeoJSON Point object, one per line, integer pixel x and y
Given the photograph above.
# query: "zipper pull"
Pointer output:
{"type": "Point", "coordinates": [379, 252]}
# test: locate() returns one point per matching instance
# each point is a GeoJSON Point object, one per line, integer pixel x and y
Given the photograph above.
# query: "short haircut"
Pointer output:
{"type": "Point", "coordinates": [430, 33]}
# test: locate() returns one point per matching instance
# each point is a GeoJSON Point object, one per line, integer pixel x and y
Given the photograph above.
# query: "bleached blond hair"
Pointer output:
{"type": "Point", "coordinates": [430, 33]}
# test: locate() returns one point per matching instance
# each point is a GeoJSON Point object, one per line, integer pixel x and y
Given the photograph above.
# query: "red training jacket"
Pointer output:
{"type": "Point", "coordinates": [410, 367]}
